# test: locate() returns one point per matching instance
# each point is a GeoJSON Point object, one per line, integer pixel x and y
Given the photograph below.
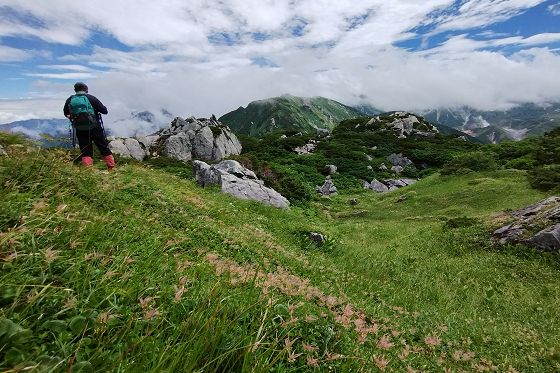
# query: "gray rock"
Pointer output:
{"type": "Point", "coordinates": [397, 169]}
{"type": "Point", "coordinates": [535, 225]}
{"type": "Point", "coordinates": [548, 239]}
{"type": "Point", "coordinates": [323, 132]}
{"type": "Point", "coordinates": [117, 147]}
{"type": "Point", "coordinates": [330, 169]}
{"type": "Point", "coordinates": [204, 175]}
{"type": "Point", "coordinates": [376, 186]}
{"type": "Point", "coordinates": [318, 238]}
{"type": "Point", "coordinates": [127, 148]}
{"type": "Point", "coordinates": [370, 168]}
{"type": "Point", "coordinates": [237, 181]}
{"type": "Point", "coordinates": [327, 188]}
{"type": "Point", "coordinates": [235, 168]}
{"type": "Point", "coordinates": [202, 143]}
{"type": "Point", "coordinates": [2, 151]}
{"type": "Point", "coordinates": [205, 139]}
{"type": "Point", "coordinates": [536, 207]}
{"type": "Point", "coordinates": [225, 144]}
{"type": "Point", "coordinates": [283, 137]}
{"type": "Point", "coordinates": [353, 202]}
{"type": "Point", "coordinates": [400, 160]}
{"type": "Point", "coordinates": [398, 183]}
{"type": "Point", "coordinates": [178, 147]}
{"type": "Point", "coordinates": [383, 167]}
{"type": "Point", "coordinates": [148, 141]}
{"type": "Point", "coordinates": [135, 150]}
{"type": "Point", "coordinates": [408, 181]}
{"type": "Point", "coordinates": [306, 149]}
{"type": "Point", "coordinates": [252, 190]}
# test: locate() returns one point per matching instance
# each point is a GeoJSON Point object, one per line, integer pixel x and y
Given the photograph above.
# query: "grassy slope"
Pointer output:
{"type": "Point", "coordinates": [113, 272]}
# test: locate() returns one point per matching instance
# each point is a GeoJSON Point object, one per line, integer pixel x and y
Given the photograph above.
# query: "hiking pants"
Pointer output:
{"type": "Point", "coordinates": [96, 136]}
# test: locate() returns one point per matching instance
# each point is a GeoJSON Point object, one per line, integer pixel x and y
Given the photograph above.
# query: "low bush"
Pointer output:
{"type": "Point", "coordinates": [523, 163]}
{"type": "Point", "coordinates": [473, 161]}
{"type": "Point", "coordinates": [545, 178]}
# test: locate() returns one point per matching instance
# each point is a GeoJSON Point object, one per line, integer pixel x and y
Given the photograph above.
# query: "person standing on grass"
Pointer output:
{"type": "Point", "coordinates": [84, 111]}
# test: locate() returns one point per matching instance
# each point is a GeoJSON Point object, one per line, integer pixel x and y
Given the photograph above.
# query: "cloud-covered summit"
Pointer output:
{"type": "Point", "coordinates": [201, 57]}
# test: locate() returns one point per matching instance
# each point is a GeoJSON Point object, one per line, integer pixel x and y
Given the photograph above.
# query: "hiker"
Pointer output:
{"type": "Point", "coordinates": [84, 111]}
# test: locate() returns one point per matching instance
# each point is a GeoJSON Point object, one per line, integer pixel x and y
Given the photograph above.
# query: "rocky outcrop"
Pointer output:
{"type": "Point", "coordinates": [327, 188]}
{"type": "Point", "coordinates": [238, 181]}
{"type": "Point", "coordinates": [128, 147]}
{"type": "Point", "coordinates": [400, 160]}
{"type": "Point", "coordinates": [323, 132]}
{"type": "Point", "coordinates": [330, 169]}
{"type": "Point", "coordinates": [376, 186]}
{"type": "Point", "coordinates": [318, 238]}
{"type": "Point", "coordinates": [307, 148]}
{"type": "Point", "coordinates": [2, 151]}
{"type": "Point", "coordinates": [185, 139]}
{"type": "Point", "coordinates": [537, 225]}
{"type": "Point", "coordinates": [388, 185]}
{"type": "Point", "coordinates": [403, 125]}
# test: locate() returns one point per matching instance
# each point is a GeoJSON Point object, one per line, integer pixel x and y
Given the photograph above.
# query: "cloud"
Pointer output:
{"type": "Point", "coordinates": [8, 54]}
{"type": "Point", "coordinates": [554, 9]}
{"type": "Point", "coordinates": [200, 57]}
{"type": "Point", "coordinates": [29, 108]}
{"type": "Point", "coordinates": [62, 75]}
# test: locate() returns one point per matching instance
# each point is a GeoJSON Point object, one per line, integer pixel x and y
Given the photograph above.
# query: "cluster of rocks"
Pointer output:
{"type": "Point", "coordinates": [185, 139]}
{"type": "Point", "coordinates": [238, 181]}
{"type": "Point", "coordinates": [2, 151]}
{"type": "Point", "coordinates": [327, 189]}
{"type": "Point", "coordinates": [537, 225]}
{"type": "Point", "coordinates": [388, 185]}
{"type": "Point", "coordinates": [399, 163]}
{"type": "Point", "coordinates": [308, 148]}
{"type": "Point", "coordinates": [403, 125]}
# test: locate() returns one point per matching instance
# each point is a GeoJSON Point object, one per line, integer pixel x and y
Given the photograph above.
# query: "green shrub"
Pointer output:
{"type": "Point", "coordinates": [289, 183]}
{"type": "Point", "coordinates": [546, 178]}
{"type": "Point", "coordinates": [11, 139]}
{"type": "Point", "coordinates": [523, 163]}
{"type": "Point", "coordinates": [473, 161]}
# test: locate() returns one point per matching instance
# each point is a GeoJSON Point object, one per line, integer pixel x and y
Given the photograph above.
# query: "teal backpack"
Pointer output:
{"type": "Point", "coordinates": [82, 114]}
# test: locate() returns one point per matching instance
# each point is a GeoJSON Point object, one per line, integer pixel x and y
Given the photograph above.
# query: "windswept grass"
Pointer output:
{"type": "Point", "coordinates": [141, 270]}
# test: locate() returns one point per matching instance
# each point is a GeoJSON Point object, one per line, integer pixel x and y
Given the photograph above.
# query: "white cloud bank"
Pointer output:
{"type": "Point", "coordinates": [198, 57]}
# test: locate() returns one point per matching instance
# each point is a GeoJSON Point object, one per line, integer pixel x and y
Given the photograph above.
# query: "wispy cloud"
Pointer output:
{"type": "Point", "coordinates": [8, 54]}
{"type": "Point", "coordinates": [555, 9]}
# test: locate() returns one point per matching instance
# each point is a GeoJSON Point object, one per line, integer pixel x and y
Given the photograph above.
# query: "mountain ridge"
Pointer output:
{"type": "Point", "coordinates": [288, 112]}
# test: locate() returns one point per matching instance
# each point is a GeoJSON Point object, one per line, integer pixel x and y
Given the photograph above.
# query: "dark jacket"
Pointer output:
{"type": "Point", "coordinates": [98, 107]}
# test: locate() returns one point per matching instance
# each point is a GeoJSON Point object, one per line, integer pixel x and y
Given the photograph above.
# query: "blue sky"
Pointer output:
{"type": "Point", "coordinates": [201, 57]}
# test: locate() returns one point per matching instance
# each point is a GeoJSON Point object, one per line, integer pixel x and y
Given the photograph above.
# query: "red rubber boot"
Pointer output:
{"type": "Point", "coordinates": [87, 161]}
{"type": "Point", "coordinates": [110, 162]}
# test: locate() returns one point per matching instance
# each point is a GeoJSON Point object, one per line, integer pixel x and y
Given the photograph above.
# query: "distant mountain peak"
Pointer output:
{"type": "Point", "coordinates": [288, 112]}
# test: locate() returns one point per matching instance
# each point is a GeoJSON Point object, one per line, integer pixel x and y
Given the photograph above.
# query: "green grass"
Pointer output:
{"type": "Point", "coordinates": [142, 270]}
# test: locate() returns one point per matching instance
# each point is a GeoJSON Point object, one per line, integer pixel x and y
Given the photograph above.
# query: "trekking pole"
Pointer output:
{"type": "Point", "coordinates": [72, 134]}
{"type": "Point", "coordinates": [100, 120]}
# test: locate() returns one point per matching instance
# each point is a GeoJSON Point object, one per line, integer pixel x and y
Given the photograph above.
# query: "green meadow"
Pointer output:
{"type": "Point", "coordinates": [142, 270]}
